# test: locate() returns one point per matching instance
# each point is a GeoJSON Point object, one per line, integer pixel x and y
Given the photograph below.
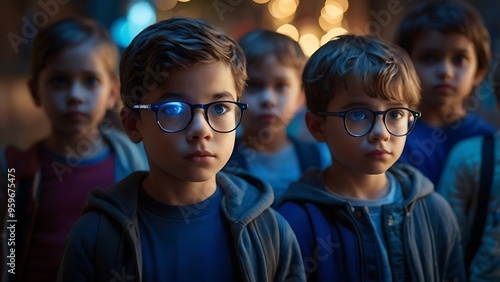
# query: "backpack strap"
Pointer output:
{"type": "Point", "coordinates": [487, 155]}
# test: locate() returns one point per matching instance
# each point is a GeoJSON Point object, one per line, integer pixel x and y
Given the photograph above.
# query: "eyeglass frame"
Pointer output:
{"type": "Point", "coordinates": [156, 106]}
{"type": "Point", "coordinates": [343, 115]}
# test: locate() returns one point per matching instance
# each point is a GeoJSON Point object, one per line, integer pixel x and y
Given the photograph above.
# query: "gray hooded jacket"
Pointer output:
{"type": "Point", "coordinates": [105, 244]}
{"type": "Point", "coordinates": [421, 232]}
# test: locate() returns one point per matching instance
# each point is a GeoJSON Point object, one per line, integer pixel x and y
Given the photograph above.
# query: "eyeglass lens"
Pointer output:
{"type": "Point", "coordinates": [397, 121]}
{"type": "Point", "coordinates": [221, 116]}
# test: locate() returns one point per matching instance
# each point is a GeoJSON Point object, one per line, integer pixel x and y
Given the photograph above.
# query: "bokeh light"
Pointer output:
{"type": "Point", "coordinates": [331, 34]}
{"type": "Point", "coordinates": [309, 43]}
{"type": "Point", "coordinates": [166, 5]}
{"type": "Point", "coordinates": [289, 30]}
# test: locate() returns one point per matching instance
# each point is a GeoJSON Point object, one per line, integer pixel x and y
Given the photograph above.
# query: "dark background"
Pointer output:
{"type": "Point", "coordinates": [21, 123]}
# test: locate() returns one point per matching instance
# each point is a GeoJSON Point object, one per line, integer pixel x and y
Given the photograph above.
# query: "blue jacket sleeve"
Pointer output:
{"type": "Point", "coordinates": [77, 264]}
{"type": "Point", "coordinates": [290, 267]}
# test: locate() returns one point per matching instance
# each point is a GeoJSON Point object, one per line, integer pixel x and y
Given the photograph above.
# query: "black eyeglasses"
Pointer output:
{"type": "Point", "coordinates": [172, 117]}
{"type": "Point", "coordinates": [358, 122]}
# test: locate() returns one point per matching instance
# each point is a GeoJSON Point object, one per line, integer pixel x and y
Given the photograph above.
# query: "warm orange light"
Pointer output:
{"type": "Point", "coordinates": [309, 43]}
{"type": "Point", "coordinates": [343, 4]}
{"type": "Point", "coordinates": [332, 33]}
{"type": "Point", "coordinates": [165, 5]}
{"type": "Point", "coordinates": [261, 1]}
{"type": "Point", "coordinates": [289, 30]}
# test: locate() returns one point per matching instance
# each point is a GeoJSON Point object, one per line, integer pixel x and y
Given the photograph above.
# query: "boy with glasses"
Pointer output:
{"type": "Point", "coordinates": [365, 218]}
{"type": "Point", "coordinates": [184, 220]}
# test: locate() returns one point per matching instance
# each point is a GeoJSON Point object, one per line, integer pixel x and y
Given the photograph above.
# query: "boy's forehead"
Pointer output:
{"type": "Point", "coordinates": [270, 59]}
{"type": "Point", "coordinates": [353, 91]}
{"type": "Point", "coordinates": [429, 38]}
{"type": "Point", "coordinates": [203, 82]}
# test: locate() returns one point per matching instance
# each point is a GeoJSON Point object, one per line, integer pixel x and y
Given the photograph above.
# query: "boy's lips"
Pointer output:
{"type": "Point", "coordinates": [267, 117]}
{"type": "Point", "coordinates": [200, 156]}
{"type": "Point", "coordinates": [378, 154]}
{"type": "Point", "coordinates": [443, 87]}
{"type": "Point", "coordinates": [75, 116]}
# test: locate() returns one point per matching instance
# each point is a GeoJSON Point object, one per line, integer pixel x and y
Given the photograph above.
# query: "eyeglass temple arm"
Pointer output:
{"type": "Point", "coordinates": [146, 107]}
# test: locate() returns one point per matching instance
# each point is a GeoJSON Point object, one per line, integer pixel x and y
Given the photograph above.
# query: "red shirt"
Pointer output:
{"type": "Point", "coordinates": [65, 185]}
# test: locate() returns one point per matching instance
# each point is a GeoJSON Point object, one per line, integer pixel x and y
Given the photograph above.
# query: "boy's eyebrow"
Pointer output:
{"type": "Point", "coordinates": [180, 96]}
{"type": "Point", "coordinates": [367, 105]}
{"type": "Point", "coordinates": [356, 105]}
{"type": "Point", "coordinates": [86, 72]}
{"type": "Point", "coordinates": [434, 49]}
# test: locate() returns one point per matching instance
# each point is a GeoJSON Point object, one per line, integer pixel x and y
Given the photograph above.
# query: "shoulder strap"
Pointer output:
{"type": "Point", "coordinates": [482, 198]}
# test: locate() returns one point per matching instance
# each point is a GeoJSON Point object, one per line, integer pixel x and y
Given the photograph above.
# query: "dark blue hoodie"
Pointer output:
{"type": "Point", "coordinates": [338, 242]}
{"type": "Point", "coordinates": [105, 243]}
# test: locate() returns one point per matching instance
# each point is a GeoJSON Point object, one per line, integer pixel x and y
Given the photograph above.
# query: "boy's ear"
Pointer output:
{"type": "Point", "coordinates": [130, 122]}
{"type": "Point", "coordinates": [34, 92]}
{"type": "Point", "coordinates": [114, 95]}
{"type": "Point", "coordinates": [315, 125]}
{"type": "Point", "coordinates": [301, 103]}
{"type": "Point", "coordinates": [479, 77]}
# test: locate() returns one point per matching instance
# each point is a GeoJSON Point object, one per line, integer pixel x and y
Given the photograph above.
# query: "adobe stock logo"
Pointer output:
{"type": "Point", "coordinates": [50, 8]}
{"type": "Point", "coordinates": [381, 19]}
{"type": "Point", "coordinates": [223, 6]}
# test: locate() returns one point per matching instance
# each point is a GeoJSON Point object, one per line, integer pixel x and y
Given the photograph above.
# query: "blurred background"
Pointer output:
{"type": "Point", "coordinates": [311, 23]}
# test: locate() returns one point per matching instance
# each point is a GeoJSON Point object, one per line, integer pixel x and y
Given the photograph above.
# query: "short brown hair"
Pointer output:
{"type": "Point", "coordinates": [260, 43]}
{"type": "Point", "coordinates": [384, 70]}
{"type": "Point", "coordinates": [172, 43]}
{"type": "Point", "coordinates": [66, 33]}
{"type": "Point", "coordinates": [447, 16]}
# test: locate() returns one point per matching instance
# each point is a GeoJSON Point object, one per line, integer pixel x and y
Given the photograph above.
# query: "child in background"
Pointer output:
{"type": "Point", "coordinates": [184, 220]}
{"type": "Point", "coordinates": [74, 79]}
{"type": "Point", "coordinates": [364, 218]}
{"type": "Point", "coordinates": [450, 48]}
{"type": "Point", "coordinates": [460, 186]}
{"type": "Point", "coordinates": [274, 94]}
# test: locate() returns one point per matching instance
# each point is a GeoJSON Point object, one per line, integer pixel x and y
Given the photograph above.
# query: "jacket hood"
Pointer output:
{"type": "Point", "coordinates": [244, 197]}
{"type": "Point", "coordinates": [311, 188]}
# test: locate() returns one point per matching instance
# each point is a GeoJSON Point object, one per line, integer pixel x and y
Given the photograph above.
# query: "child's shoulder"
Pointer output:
{"type": "Point", "coordinates": [243, 191]}
{"type": "Point", "coordinates": [26, 162]}
{"type": "Point", "coordinates": [475, 123]}
{"type": "Point", "coordinates": [128, 153]}
{"type": "Point", "coordinates": [309, 154]}
{"type": "Point", "coordinates": [467, 149]}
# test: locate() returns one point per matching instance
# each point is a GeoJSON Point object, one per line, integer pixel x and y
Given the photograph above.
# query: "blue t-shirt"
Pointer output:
{"type": "Point", "coordinates": [394, 195]}
{"type": "Point", "coordinates": [186, 243]}
{"type": "Point", "coordinates": [279, 169]}
{"type": "Point", "coordinates": [427, 147]}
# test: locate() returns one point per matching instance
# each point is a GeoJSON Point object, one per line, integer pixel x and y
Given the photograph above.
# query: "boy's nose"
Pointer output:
{"type": "Point", "coordinates": [379, 131]}
{"type": "Point", "coordinates": [199, 127]}
{"type": "Point", "coordinates": [75, 94]}
{"type": "Point", "coordinates": [268, 97]}
{"type": "Point", "coordinates": [445, 69]}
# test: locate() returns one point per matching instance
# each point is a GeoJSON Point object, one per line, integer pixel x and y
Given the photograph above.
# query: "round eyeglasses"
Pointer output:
{"type": "Point", "coordinates": [358, 122]}
{"type": "Point", "coordinates": [172, 117]}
